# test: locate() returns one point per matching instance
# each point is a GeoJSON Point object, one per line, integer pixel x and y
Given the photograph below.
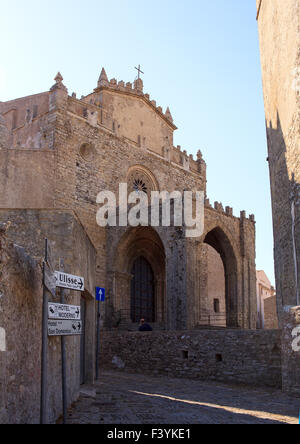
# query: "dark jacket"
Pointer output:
{"type": "Point", "coordinates": [145, 327]}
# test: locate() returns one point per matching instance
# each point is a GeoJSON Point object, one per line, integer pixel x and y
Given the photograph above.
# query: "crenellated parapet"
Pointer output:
{"type": "Point", "coordinates": [228, 211]}
{"type": "Point", "coordinates": [121, 108]}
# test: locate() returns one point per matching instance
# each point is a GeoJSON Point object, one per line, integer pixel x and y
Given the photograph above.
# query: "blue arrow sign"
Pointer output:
{"type": "Point", "coordinates": [100, 294]}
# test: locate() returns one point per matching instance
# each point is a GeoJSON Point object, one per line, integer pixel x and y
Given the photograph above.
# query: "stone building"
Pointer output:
{"type": "Point", "coordinates": [278, 23]}
{"type": "Point", "coordinates": [266, 303]}
{"type": "Point", "coordinates": [58, 152]}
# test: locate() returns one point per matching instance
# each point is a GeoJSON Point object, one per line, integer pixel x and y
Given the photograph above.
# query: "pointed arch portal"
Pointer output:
{"type": "Point", "coordinates": [142, 291]}
{"type": "Point", "coordinates": [140, 274]}
{"type": "Point", "coordinates": [218, 240]}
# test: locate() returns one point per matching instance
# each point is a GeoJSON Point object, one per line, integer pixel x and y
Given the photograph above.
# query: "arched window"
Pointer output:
{"type": "Point", "coordinates": [141, 179]}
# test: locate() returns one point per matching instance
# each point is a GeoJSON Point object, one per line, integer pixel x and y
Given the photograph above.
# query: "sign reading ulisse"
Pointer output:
{"type": "Point", "coordinates": [69, 281]}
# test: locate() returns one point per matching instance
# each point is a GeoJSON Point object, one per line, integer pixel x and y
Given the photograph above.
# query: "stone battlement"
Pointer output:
{"type": "Point", "coordinates": [228, 211]}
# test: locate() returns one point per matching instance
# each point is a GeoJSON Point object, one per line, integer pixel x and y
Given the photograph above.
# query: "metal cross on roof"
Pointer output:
{"type": "Point", "coordinates": [139, 71]}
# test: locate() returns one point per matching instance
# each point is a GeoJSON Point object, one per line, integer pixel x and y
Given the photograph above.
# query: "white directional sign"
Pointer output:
{"type": "Point", "coordinates": [61, 311]}
{"type": "Point", "coordinates": [64, 328]}
{"type": "Point", "coordinates": [69, 281]}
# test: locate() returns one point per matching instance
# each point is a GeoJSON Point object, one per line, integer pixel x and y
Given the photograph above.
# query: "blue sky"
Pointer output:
{"type": "Point", "coordinates": [200, 57]}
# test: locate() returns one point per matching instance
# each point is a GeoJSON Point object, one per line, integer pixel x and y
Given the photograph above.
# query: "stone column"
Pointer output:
{"type": "Point", "coordinates": [202, 300]}
{"type": "Point", "coordinates": [160, 300]}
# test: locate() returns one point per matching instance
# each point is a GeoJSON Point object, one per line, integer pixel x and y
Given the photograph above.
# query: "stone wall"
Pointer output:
{"type": "Point", "coordinates": [20, 351]}
{"type": "Point", "coordinates": [271, 317]}
{"type": "Point", "coordinates": [21, 309]}
{"type": "Point", "coordinates": [20, 187]}
{"type": "Point", "coordinates": [20, 323]}
{"type": "Point", "coordinates": [216, 289]}
{"type": "Point", "coordinates": [278, 23]}
{"type": "Point", "coordinates": [232, 356]}
{"type": "Point", "coordinates": [291, 351]}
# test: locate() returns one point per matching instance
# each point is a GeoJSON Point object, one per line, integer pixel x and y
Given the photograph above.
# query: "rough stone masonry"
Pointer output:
{"type": "Point", "coordinates": [57, 152]}
{"type": "Point", "coordinates": [280, 62]}
{"type": "Point", "coordinates": [77, 148]}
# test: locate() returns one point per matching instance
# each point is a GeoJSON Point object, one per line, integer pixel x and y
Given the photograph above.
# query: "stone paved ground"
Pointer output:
{"type": "Point", "coordinates": [123, 398]}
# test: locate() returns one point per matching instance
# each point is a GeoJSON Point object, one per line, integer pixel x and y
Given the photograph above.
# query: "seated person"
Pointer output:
{"type": "Point", "coordinates": [144, 326]}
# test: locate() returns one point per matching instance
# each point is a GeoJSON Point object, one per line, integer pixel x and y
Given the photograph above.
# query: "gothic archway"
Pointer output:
{"type": "Point", "coordinates": [218, 240]}
{"type": "Point", "coordinates": [140, 270]}
{"type": "Point", "coordinates": [142, 291]}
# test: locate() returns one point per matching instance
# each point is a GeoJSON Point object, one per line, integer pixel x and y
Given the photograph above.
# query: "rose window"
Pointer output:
{"type": "Point", "coordinates": [139, 186]}
{"type": "Point", "coordinates": [140, 180]}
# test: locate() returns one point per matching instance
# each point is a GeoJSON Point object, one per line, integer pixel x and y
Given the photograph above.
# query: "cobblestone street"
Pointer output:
{"type": "Point", "coordinates": [123, 398]}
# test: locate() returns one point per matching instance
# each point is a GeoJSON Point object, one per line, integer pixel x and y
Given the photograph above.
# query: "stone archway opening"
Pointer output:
{"type": "Point", "coordinates": [221, 245]}
{"type": "Point", "coordinates": [216, 289]}
{"type": "Point", "coordinates": [140, 277]}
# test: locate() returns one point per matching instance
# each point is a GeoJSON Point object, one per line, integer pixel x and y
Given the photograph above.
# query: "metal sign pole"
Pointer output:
{"type": "Point", "coordinates": [63, 358]}
{"type": "Point", "coordinates": [44, 357]}
{"type": "Point", "coordinates": [100, 297]}
{"type": "Point", "coordinates": [98, 342]}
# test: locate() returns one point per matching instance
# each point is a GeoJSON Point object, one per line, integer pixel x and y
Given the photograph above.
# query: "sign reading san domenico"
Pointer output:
{"type": "Point", "coordinates": [64, 328]}
{"type": "Point", "coordinates": [69, 281]}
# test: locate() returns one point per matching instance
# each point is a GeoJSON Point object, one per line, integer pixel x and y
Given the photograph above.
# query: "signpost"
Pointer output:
{"type": "Point", "coordinates": [48, 279]}
{"type": "Point", "coordinates": [100, 294]}
{"type": "Point", "coordinates": [100, 297]}
{"type": "Point", "coordinates": [57, 320]}
{"type": "Point", "coordinates": [67, 323]}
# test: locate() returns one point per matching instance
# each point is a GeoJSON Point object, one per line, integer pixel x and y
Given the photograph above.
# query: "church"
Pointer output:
{"type": "Point", "coordinates": [57, 152]}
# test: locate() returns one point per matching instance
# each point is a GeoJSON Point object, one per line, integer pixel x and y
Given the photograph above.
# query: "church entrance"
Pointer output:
{"type": "Point", "coordinates": [139, 278]}
{"type": "Point", "coordinates": [142, 291]}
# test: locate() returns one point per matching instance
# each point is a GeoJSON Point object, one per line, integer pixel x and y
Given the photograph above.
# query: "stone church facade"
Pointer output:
{"type": "Point", "coordinates": [58, 152]}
